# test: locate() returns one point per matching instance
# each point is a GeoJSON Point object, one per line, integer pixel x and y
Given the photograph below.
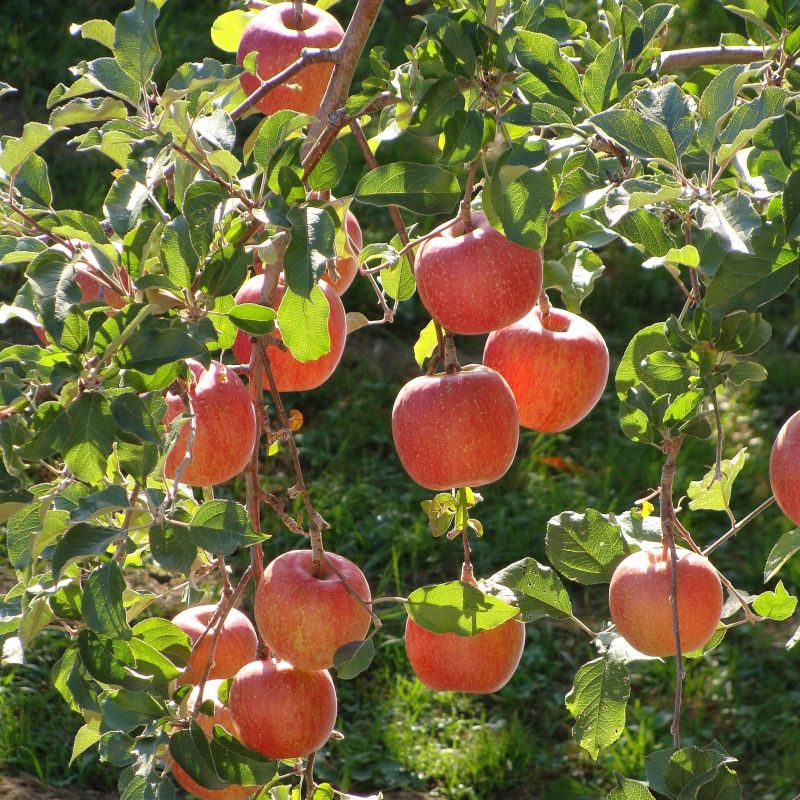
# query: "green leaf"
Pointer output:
{"type": "Point", "coordinates": [98, 30]}
{"type": "Point", "coordinates": [778, 605]}
{"type": "Point", "coordinates": [17, 150]}
{"type": "Point", "coordinates": [303, 324]}
{"type": "Point", "coordinates": [156, 345]}
{"type": "Point", "coordinates": [310, 248]}
{"type": "Point", "coordinates": [791, 206]}
{"type": "Point", "coordinates": [125, 710]}
{"type": "Point", "coordinates": [178, 254]}
{"type": "Point", "coordinates": [350, 660]}
{"type": "Point", "coordinates": [574, 275]}
{"type": "Point", "coordinates": [252, 318]}
{"type": "Point", "coordinates": [597, 700]}
{"type": "Point", "coordinates": [538, 591]}
{"type": "Point", "coordinates": [101, 605]}
{"type": "Point", "coordinates": [330, 168]}
{"type": "Point", "coordinates": [87, 736]}
{"type": "Point", "coordinates": [238, 764]}
{"type": "Point", "coordinates": [518, 197]}
{"type": "Point", "coordinates": [90, 438]}
{"type": "Point", "coordinates": [711, 494]}
{"type": "Point", "coordinates": [226, 32]}
{"type": "Point", "coordinates": [191, 750]}
{"type": "Point", "coordinates": [199, 207]}
{"type": "Point", "coordinates": [746, 371]}
{"type": "Point", "coordinates": [784, 549]}
{"type": "Point", "coordinates": [34, 182]}
{"type": "Point", "coordinates": [643, 138]}
{"type": "Point", "coordinates": [585, 547]}
{"type": "Point", "coordinates": [135, 44]}
{"type": "Point", "coordinates": [172, 548]}
{"type": "Point", "coordinates": [55, 291]}
{"type": "Point", "coordinates": [398, 281]}
{"type": "Point", "coordinates": [646, 231]}
{"type": "Point", "coordinates": [440, 101]}
{"type": "Point", "coordinates": [275, 130]}
{"type": "Point", "coordinates": [82, 540]}
{"type": "Point", "coordinates": [219, 526]}
{"type": "Point", "coordinates": [541, 55]}
{"type": "Point", "coordinates": [137, 418]}
{"type": "Point", "coordinates": [462, 137]}
{"type": "Point", "coordinates": [421, 188]}
{"type": "Point", "coordinates": [690, 772]}
{"type": "Point", "coordinates": [717, 100]}
{"type": "Point", "coordinates": [457, 607]}
{"type": "Point", "coordinates": [748, 119]}
{"type": "Point", "coordinates": [631, 371]}
{"type": "Point", "coordinates": [600, 79]}
{"type": "Point", "coordinates": [106, 501]}
{"type": "Point", "coordinates": [82, 110]}
{"type": "Point", "coordinates": [164, 636]}
{"type": "Point", "coordinates": [733, 220]}
{"type": "Point", "coordinates": [748, 281]}
{"type": "Point", "coordinates": [108, 660]}
{"type": "Point", "coordinates": [426, 343]}
{"type": "Point", "coordinates": [628, 789]}
{"type": "Point", "coordinates": [124, 202]}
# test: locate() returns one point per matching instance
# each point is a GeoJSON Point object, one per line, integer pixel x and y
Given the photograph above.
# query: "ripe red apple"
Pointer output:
{"type": "Point", "coordinates": [556, 365]}
{"type": "Point", "coordinates": [305, 618]}
{"type": "Point", "coordinates": [87, 270]}
{"type": "Point", "coordinates": [479, 281]}
{"type": "Point", "coordinates": [225, 427]}
{"type": "Point", "coordinates": [456, 430]}
{"type": "Point", "coordinates": [479, 664]}
{"type": "Point", "coordinates": [292, 375]}
{"type": "Point", "coordinates": [282, 711]}
{"type": "Point", "coordinates": [640, 607]}
{"type": "Point", "coordinates": [784, 468]}
{"type": "Point", "coordinates": [236, 645]}
{"type": "Point", "coordinates": [221, 716]}
{"type": "Point", "coordinates": [276, 37]}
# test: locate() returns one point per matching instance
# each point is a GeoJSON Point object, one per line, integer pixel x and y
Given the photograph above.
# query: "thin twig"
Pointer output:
{"type": "Point", "coordinates": [738, 526]}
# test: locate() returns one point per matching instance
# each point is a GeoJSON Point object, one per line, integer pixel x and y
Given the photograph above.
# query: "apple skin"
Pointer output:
{"type": "Point", "coordinates": [225, 427]}
{"type": "Point", "coordinates": [784, 468]}
{"type": "Point", "coordinates": [456, 430]}
{"type": "Point", "coordinates": [273, 35]}
{"type": "Point", "coordinates": [304, 619]}
{"type": "Point", "coordinates": [557, 367]}
{"type": "Point", "coordinates": [222, 716]}
{"type": "Point", "coordinates": [479, 664]}
{"type": "Point", "coordinates": [640, 608]}
{"type": "Point", "coordinates": [479, 281]}
{"type": "Point", "coordinates": [282, 711]}
{"type": "Point", "coordinates": [236, 645]}
{"type": "Point", "coordinates": [290, 374]}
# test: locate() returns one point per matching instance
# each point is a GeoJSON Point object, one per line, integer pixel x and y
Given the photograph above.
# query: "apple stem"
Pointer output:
{"type": "Point", "coordinates": [308, 777]}
{"type": "Point", "coordinates": [465, 211]}
{"type": "Point", "coordinates": [544, 307]}
{"type": "Point", "coordinates": [451, 365]}
{"type": "Point", "coordinates": [298, 13]}
{"type": "Point", "coordinates": [672, 447]}
{"type": "Point", "coordinates": [467, 573]}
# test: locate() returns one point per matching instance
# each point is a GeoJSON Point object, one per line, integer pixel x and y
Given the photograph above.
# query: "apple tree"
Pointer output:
{"type": "Point", "coordinates": [170, 326]}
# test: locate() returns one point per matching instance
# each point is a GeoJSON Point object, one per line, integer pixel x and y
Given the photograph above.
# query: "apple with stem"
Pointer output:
{"type": "Point", "coordinates": [221, 716]}
{"type": "Point", "coordinates": [639, 599]}
{"type": "Point", "coordinates": [305, 615]}
{"type": "Point", "coordinates": [456, 429]}
{"type": "Point", "coordinates": [225, 427]}
{"type": "Point", "coordinates": [278, 38]}
{"type": "Point", "coordinates": [236, 645]}
{"type": "Point", "coordinates": [290, 374]}
{"type": "Point", "coordinates": [784, 468]}
{"type": "Point", "coordinates": [478, 664]}
{"type": "Point", "coordinates": [556, 363]}
{"type": "Point", "coordinates": [281, 711]}
{"type": "Point", "coordinates": [476, 281]}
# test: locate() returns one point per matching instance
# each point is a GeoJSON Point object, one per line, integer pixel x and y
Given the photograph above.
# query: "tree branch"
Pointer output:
{"type": "Point", "coordinates": [704, 56]}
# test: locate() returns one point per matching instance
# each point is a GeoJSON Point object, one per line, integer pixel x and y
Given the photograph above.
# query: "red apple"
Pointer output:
{"type": "Point", "coordinates": [282, 711]}
{"type": "Point", "coordinates": [305, 618]}
{"type": "Point", "coordinates": [87, 270]}
{"type": "Point", "coordinates": [292, 375]}
{"type": "Point", "coordinates": [275, 35]}
{"type": "Point", "coordinates": [479, 281]}
{"type": "Point", "coordinates": [221, 716]}
{"type": "Point", "coordinates": [640, 606]}
{"type": "Point", "coordinates": [557, 367]}
{"type": "Point", "coordinates": [456, 430]}
{"type": "Point", "coordinates": [236, 645]}
{"type": "Point", "coordinates": [784, 468]}
{"type": "Point", "coordinates": [225, 427]}
{"type": "Point", "coordinates": [479, 664]}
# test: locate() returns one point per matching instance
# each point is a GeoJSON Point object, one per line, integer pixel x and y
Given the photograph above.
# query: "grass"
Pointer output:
{"type": "Point", "coordinates": [397, 734]}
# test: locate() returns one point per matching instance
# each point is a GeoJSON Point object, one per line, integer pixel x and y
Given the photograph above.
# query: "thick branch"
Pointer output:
{"type": "Point", "coordinates": [703, 56]}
